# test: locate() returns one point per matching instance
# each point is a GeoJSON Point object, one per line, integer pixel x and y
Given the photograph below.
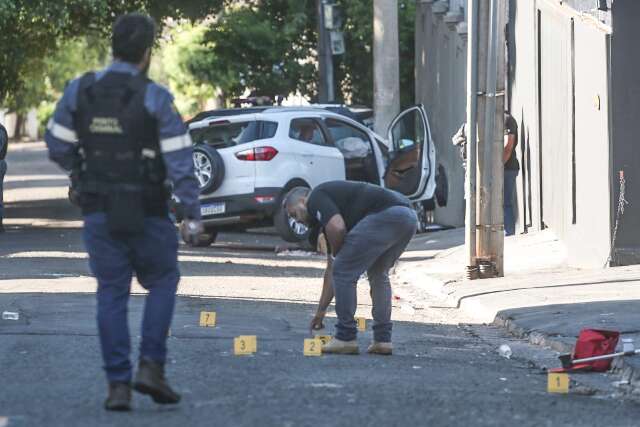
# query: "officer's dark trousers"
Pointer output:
{"type": "Point", "coordinates": [113, 259]}
{"type": "Point", "coordinates": [373, 245]}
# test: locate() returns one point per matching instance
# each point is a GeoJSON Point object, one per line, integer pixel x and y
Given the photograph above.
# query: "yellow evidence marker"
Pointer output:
{"type": "Point", "coordinates": [362, 323]}
{"type": "Point", "coordinates": [245, 344]}
{"type": "Point", "coordinates": [558, 382]}
{"type": "Point", "coordinates": [324, 339]}
{"type": "Point", "coordinates": [312, 347]}
{"type": "Point", "coordinates": [208, 319]}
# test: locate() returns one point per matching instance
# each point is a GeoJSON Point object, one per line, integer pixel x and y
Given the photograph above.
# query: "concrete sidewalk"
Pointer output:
{"type": "Point", "coordinates": [540, 298]}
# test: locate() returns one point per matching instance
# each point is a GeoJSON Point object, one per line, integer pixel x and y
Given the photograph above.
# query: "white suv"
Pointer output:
{"type": "Point", "coordinates": [248, 161]}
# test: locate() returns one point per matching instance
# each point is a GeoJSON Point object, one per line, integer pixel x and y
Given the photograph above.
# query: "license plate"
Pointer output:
{"type": "Point", "coordinates": [213, 209]}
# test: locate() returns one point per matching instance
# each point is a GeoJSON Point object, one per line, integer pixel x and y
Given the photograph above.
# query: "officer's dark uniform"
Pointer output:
{"type": "Point", "coordinates": [122, 137]}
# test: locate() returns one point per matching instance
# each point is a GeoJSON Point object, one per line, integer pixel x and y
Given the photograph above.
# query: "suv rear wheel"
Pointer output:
{"type": "Point", "coordinates": [288, 228]}
{"type": "Point", "coordinates": [206, 240]}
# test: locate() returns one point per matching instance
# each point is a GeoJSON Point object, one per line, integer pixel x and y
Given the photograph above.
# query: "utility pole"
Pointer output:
{"type": "Point", "coordinates": [472, 137]}
{"type": "Point", "coordinates": [326, 87]}
{"type": "Point", "coordinates": [386, 63]}
{"type": "Point", "coordinates": [489, 93]}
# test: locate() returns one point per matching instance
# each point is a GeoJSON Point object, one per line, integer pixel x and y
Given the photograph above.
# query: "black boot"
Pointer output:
{"type": "Point", "coordinates": [119, 398]}
{"type": "Point", "coordinates": [150, 380]}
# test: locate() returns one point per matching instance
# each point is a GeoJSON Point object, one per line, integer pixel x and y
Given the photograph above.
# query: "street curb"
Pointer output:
{"type": "Point", "coordinates": [620, 366]}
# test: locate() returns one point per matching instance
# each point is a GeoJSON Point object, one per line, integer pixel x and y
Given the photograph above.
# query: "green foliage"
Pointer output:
{"type": "Point", "coordinates": [34, 29]}
{"type": "Point", "coordinates": [354, 69]}
{"type": "Point", "coordinates": [261, 45]}
{"type": "Point", "coordinates": [269, 48]}
{"type": "Point", "coordinates": [169, 67]}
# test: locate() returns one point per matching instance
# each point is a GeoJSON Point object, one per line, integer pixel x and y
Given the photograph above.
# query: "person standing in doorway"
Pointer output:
{"type": "Point", "coordinates": [4, 146]}
{"type": "Point", "coordinates": [511, 169]}
{"type": "Point", "coordinates": [123, 138]}
{"type": "Point", "coordinates": [511, 166]}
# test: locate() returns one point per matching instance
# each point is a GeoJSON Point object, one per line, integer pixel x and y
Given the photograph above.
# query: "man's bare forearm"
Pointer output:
{"type": "Point", "coordinates": [336, 240]}
{"type": "Point", "coordinates": [327, 288]}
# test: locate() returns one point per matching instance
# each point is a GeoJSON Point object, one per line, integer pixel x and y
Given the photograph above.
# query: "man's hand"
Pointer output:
{"type": "Point", "coordinates": [191, 230]}
{"type": "Point", "coordinates": [316, 322]}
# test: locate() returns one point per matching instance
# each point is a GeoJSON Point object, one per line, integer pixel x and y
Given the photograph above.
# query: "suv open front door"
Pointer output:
{"type": "Point", "coordinates": [410, 166]}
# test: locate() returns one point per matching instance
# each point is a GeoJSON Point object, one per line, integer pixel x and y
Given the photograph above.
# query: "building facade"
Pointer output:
{"type": "Point", "coordinates": [571, 86]}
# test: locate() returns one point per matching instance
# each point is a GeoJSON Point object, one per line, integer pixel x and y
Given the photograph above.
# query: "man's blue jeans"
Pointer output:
{"type": "Point", "coordinates": [3, 171]}
{"type": "Point", "coordinates": [510, 176]}
{"type": "Point", "coordinates": [373, 245]}
{"type": "Point", "coordinates": [153, 256]}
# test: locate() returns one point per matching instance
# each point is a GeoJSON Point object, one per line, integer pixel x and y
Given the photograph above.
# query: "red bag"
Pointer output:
{"type": "Point", "coordinates": [595, 342]}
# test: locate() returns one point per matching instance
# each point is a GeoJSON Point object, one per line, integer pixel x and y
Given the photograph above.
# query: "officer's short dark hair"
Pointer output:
{"type": "Point", "coordinates": [132, 35]}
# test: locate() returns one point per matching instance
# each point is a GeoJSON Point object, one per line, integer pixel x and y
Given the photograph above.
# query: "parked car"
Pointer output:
{"type": "Point", "coordinates": [247, 161]}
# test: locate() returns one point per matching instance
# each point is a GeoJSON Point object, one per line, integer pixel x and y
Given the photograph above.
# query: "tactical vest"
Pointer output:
{"type": "Point", "coordinates": [119, 143]}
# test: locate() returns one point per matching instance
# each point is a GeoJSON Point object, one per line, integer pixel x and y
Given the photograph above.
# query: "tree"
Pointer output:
{"type": "Point", "coordinates": [170, 67]}
{"type": "Point", "coordinates": [354, 69]}
{"type": "Point", "coordinates": [269, 47]}
{"type": "Point", "coordinates": [34, 29]}
{"type": "Point", "coordinates": [263, 46]}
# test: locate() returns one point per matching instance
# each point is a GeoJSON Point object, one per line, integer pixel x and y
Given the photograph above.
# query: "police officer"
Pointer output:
{"type": "Point", "coordinates": [121, 136]}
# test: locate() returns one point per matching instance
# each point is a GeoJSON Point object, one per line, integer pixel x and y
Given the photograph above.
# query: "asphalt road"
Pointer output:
{"type": "Point", "coordinates": [441, 373]}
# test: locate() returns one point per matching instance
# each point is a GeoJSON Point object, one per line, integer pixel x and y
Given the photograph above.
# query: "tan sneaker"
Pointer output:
{"type": "Point", "coordinates": [382, 348]}
{"type": "Point", "coordinates": [336, 346]}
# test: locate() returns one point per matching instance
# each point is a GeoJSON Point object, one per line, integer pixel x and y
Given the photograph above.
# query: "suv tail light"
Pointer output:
{"type": "Point", "coordinates": [258, 154]}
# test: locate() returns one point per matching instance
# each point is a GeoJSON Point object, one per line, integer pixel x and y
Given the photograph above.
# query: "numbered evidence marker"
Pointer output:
{"type": "Point", "coordinates": [362, 323]}
{"type": "Point", "coordinates": [245, 344]}
{"type": "Point", "coordinates": [208, 319]}
{"type": "Point", "coordinates": [312, 347]}
{"type": "Point", "coordinates": [324, 339]}
{"type": "Point", "coordinates": [558, 382]}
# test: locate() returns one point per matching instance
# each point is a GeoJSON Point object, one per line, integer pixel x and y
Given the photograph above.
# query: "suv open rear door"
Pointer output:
{"type": "Point", "coordinates": [411, 162]}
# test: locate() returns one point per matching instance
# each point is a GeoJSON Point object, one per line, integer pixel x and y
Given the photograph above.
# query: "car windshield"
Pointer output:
{"type": "Point", "coordinates": [225, 134]}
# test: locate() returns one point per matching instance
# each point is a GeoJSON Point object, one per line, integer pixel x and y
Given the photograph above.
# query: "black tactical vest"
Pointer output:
{"type": "Point", "coordinates": [119, 144]}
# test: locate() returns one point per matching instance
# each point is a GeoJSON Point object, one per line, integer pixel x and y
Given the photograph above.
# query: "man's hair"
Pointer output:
{"type": "Point", "coordinates": [133, 34]}
{"type": "Point", "coordinates": [295, 196]}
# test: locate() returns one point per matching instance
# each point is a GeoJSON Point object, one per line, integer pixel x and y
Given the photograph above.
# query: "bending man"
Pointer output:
{"type": "Point", "coordinates": [367, 228]}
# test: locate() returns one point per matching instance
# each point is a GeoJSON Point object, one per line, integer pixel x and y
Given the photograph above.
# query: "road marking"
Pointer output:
{"type": "Point", "coordinates": [245, 344]}
{"type": "Point", "coordinates": [208, 319]}
{"type": "Point", "coordinates": [312, 347]}
{"type": "Point", "coordinates": [558, 383]}
{"type": "Point", "coordinates": [362, 323]}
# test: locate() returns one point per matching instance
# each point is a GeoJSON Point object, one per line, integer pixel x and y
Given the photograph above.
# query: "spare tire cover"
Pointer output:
{"type": "Point", "coordinates": [209, 168]}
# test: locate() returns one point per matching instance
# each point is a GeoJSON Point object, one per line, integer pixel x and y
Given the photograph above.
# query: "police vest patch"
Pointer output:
{"type": "Point", "coordinates": [108, 125]}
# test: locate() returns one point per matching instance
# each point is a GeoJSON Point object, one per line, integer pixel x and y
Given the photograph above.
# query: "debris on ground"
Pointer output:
{"type": "Point", "coordinates": [10, 315]}
{"type": "Point", "coordinates": [505, 351]}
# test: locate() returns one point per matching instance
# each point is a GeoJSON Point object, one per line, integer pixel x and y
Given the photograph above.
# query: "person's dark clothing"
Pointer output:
{"type": "Point", "coordinates": [511, 128]}
{"type": "Point", "coordinates": [123, 233]}
{"type": "Point", "coordinates": [511, 168]}
{"type": "Point", "coordinates": [352, 200]}
{"type": "Point", "coordinates": [4, 142]}
{"type": "Point", "coordinates": [380, 224]}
